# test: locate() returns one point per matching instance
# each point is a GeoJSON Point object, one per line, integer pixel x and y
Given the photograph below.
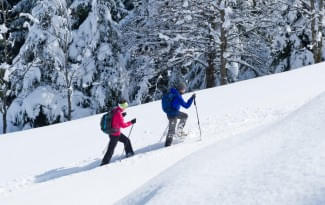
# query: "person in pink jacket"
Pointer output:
{"type": "Point", "coordinates": [117, 124]}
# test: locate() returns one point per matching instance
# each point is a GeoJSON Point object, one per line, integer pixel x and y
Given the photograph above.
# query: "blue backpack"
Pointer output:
{"type": "Point", "coordinates": [166, 102]}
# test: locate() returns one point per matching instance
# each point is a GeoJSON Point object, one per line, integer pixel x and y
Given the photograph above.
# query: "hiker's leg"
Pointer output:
{"type": "Point", "coordinates": [183, 118]}
{"type": "Point", "coordinates": [127, 144]}
{"type": "Point", "coordinates": [110, 150]}
{"type": "Point", "coordinates": [171, 131]}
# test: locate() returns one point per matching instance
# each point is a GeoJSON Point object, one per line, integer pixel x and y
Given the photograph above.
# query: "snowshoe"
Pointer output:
{"type": "Point", "coordinates": [181, 134]}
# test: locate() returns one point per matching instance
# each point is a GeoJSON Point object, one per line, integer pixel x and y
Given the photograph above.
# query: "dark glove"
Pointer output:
{"type": "Point", "coordinates": [134, 121]}
{"type": "Point", "coordinates": [123, 114]}
{"type": "Point", "coordinates": [194, 96]}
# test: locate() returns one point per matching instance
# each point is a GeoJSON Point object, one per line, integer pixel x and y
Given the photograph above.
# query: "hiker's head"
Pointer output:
{"type": "Point", "coordinates": [123, 104]}
{"type": "Point", "coordinates": [181, 87]}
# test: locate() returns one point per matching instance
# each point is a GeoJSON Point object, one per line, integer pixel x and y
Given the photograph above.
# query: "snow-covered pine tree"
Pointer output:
{"type": "Point", "coordinates": [62, 32]}
{"type": "Point", "coordinates": [12, 35]}
{"type": "Point", "coordinates": [194, 40]}
{"type": "Point", "coordinates": [252, 52]}
{"type": "Point", "coordinates": [95, 47]}
{"type": "Point", "coordinates": [41, 92]}
{"type": "Point", "coordinates": [78, 57]}
{"type": "Point", "coordinates": [299, 38]}
{"type": "Point", "coordinates": [4, 5]}
{"type": "Point", "coordinates": [141, 55]}
{"type": "Point", "coordinates": [111, 67]}
{"type": "Point", "coordinates": [316, 15]}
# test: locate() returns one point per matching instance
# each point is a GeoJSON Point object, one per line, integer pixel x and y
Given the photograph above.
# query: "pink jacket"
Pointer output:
{"type": "Point", "coordinates": [118, 121]}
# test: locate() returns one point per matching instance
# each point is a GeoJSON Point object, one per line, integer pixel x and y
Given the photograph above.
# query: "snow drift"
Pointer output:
{"type": "Point", "coordinates": [282, 163]}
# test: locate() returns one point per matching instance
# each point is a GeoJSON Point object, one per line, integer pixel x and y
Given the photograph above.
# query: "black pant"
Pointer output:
{"type": "Point", "coordinates": [112, 144]}
{"type": "Point", "coordinates": [172, 126]}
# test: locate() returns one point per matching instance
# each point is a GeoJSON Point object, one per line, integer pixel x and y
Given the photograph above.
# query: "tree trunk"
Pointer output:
{"type": "Point", "coordinates": [4, 96]}
{"type": "Point", "coordinates": [69, 104]}
{"type": "Point", "coordinates": [4, 11]}
{"type": "Point", "coordinates": [66, 61]}
{"type": "Point", "coordinates": [210, 71]}
{"type": "Point", "coordinates": [320, 32]}
{"type": "Point", "coordinates": [223, 48]}
{"type": "Point", "coordinates": [68, 84]}
{"type": "Point", "coordinates": [254, 4]}
{"type": "Point", "coordinates": [67, 77]}
{"type": "Point", "coordinates": [4, 118]}
{"type": "Point", "coordinates": [212, 55]}
{"type": "Point", "coordinates": [314, 30]}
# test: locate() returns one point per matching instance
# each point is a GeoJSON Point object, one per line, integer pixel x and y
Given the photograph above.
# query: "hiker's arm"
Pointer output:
{"type": "Point", "coordinates": [188, 103]}
{"type": "Point", "coordinates": [122, 123]}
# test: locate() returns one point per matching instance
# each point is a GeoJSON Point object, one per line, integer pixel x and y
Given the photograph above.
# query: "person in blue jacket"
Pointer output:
{"type": "Point", "coordinates": [171, 106]}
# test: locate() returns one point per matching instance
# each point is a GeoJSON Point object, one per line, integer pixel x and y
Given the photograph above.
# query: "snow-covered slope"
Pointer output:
{"type": "Point", "coordinates": [58, 164]}
{"type": "Point", "coordinates": [282, 163]}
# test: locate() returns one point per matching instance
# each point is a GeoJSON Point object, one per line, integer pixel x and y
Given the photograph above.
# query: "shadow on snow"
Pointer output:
{"type": "Point", "coordinates": [61, 172]}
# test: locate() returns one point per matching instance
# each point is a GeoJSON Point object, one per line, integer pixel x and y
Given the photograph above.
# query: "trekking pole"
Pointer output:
{"type": "Point", "coordinates": [164, 134]}
{"type": "Point", "coordinates": [128, 137]}
{"type": "Point", "coordinates": [198, 119]}
{"type": "Point", "coordinates": [130, 131]}
{"type": "Point", "coordinates": [105, 149]}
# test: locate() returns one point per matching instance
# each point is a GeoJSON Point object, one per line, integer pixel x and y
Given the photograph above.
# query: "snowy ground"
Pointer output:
{"type": "Point", "coordinates": [282, 163]}
{"type": "Point", "coordinates": [262, 144]}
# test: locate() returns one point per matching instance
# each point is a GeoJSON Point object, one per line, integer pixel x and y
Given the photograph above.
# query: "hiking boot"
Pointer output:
{"type": "Point", "coordinates": [130, 154]}
{"type": "Point", "coordinates": [103, 163]}
{"type": "Point", "coordinates": [169, 141]}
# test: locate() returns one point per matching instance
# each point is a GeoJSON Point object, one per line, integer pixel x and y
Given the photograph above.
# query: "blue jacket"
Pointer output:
{"type": "Point", "coordinates": [177, 102]}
